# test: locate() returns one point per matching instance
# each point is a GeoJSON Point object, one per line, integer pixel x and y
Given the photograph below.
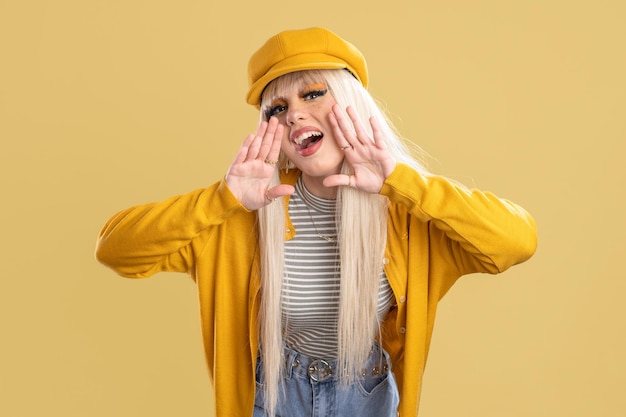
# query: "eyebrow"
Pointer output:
{"type": "Point", "coordinates": [314, 86]}
{"type": "Point", "coordinates": [277, 100]}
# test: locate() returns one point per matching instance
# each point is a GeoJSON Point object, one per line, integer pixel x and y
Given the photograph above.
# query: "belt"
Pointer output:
{"type": "Point", "coordinates": [320, 370]}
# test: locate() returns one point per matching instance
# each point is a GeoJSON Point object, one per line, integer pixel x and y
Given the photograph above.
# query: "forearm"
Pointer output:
{"type": "Point", "coordinates": [149, 238]}
{"type": "Point", "coordinates": [485, 232]}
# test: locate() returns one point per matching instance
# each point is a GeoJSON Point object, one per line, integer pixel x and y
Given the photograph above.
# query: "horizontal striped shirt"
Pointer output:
{"type": "Point", "coordinates": [311, 286]}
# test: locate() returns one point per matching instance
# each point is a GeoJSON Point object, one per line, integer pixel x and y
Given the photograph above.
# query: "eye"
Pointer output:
{"type": "Point", "coordinates": [275, 110]}
{"type": "Point", "coordinates": [313, 94]}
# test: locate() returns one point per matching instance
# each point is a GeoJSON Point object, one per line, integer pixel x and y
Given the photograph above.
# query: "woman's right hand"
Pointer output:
{"type": "Point", "coordinates": [250, 174]}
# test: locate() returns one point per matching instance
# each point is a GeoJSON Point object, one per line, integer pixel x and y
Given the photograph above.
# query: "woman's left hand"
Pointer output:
{"type": "Point", "coordinates": [369, 158]}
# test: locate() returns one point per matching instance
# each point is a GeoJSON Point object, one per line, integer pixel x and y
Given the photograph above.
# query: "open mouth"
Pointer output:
{"type": "Point", "coordinates": [307, 139]}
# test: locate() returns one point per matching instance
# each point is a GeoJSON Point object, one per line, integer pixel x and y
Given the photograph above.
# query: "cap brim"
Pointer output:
{"type": "Point", "coordinates": [296, 63]}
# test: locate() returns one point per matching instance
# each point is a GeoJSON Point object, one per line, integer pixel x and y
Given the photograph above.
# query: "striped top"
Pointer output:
{"type": "Point", "coordinates": [310, 295]}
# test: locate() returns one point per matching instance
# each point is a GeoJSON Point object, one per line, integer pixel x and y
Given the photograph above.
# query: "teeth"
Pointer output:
{"type": "Point", "coordinates": [304, 136]}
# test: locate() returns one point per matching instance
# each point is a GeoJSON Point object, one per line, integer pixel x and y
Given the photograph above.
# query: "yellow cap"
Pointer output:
{"type": "Point", "coordinates": [298, 50]}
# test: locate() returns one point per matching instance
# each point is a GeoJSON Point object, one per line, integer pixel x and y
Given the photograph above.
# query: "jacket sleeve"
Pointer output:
{"type": "Point", "coordinates": [475, 230]}
{"type": "Point", "coordinates": [146, 239]}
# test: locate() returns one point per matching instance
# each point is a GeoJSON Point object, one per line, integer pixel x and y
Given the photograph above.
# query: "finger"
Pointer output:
{"type": "Point", "coordinates": [361, 134]}
{"type": "Point", "coordinates": [270, 147]}
{"type": "Point", "coordinates": [338, 180]}
{"type": "Point", "coordinates": [342, 128]}
{"type": "Point", "coordinates": [274, 153]}
{"type": "Point", "coordinates": [242, 153]}
{"type": "Point", "coordinates": [267, 139]}
{"type": "Point", "coordinates": [379, 138]}
{"type": "Point", "coordinates": [334, 124]}
{"type": "Point", "coordinates": [281, 190]}
{"type": "Point", "coordinates": [255, 144]}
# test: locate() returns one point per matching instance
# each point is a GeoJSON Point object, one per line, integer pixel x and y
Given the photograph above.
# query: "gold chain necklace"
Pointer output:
{"type": "Point", "coordinates": [304, 198]}
{"type": "Point", "coordinates": [331, 238]}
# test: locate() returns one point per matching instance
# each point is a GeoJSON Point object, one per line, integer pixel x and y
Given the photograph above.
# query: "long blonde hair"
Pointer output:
{"type": "Point", "coordinates": [362, 232]}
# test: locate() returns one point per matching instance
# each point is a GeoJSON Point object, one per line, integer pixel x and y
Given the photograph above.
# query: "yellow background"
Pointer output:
{"type": "Point", "coordinates": [107, 104]}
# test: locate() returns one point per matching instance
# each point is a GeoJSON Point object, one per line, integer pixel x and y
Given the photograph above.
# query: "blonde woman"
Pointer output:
{"type": "Point", "coordinates": [321, 256]}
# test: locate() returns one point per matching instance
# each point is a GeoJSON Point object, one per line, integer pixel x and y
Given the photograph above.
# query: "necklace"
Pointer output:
{"type": "Point", "coordinates": [327, 238]}
{"type": "Point", "coordinates": [306, 198]}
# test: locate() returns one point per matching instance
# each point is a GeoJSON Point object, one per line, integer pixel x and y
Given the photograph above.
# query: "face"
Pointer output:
{"type": "Point", "coordinates": [308, 140]}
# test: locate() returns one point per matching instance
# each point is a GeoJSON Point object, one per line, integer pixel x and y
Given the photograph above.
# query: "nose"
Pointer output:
{"type": "Point", "coordinates": [294, 113]}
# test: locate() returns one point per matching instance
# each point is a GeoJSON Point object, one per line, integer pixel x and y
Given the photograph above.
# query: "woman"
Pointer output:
{"type": "Point", "coordinates": [321, 256]}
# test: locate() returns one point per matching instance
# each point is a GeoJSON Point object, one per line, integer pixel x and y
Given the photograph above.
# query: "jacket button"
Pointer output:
{"type": "Point", "coordinates": [403, 299]}
{"type": "Point", "coordinates": [402, 330]}
{"type": "Point", "coordinates": [385, 261]}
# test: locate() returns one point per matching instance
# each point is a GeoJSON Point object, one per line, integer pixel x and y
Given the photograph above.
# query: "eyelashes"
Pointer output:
{"type": "Point", "coordinates": [274, 110]}
{"type": "Point", "coordinates": [307, 95]}
{"type": "Point", "coordinates": [313, 94]}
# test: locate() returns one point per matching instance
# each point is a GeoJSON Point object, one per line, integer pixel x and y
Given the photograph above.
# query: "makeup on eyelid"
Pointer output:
{"type": "Point", "coordinates": [280, 104]}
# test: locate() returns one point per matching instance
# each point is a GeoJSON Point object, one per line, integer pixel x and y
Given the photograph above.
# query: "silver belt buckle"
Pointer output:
{"type": "Point", "coordinates": [319, 370]}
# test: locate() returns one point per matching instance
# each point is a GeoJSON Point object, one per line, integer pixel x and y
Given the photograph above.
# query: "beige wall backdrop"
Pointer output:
{"type": "Point", "coordinates": [107, 104]}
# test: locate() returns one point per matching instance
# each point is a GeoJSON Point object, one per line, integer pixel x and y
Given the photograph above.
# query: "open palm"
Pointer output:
{"type": "Point", "coordinates": [251, 172]}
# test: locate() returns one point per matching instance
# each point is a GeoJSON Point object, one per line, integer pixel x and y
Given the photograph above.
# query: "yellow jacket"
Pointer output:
{"type": "Point", "coordinates": [437, 231]}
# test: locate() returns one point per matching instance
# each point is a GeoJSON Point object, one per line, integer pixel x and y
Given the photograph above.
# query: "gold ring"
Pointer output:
{"type": "Point", "coordinates": [267, 195]}
{"type": "Point", "coordinates": [270, 161]}
{"type": "Point", "coordinates": [343, 148]}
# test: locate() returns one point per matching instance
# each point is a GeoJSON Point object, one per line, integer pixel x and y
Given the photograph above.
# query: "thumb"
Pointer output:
{"type": "Point", "coordinates": [337, 180]}
{"type": "Point", "coordinates": [280, 191]}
